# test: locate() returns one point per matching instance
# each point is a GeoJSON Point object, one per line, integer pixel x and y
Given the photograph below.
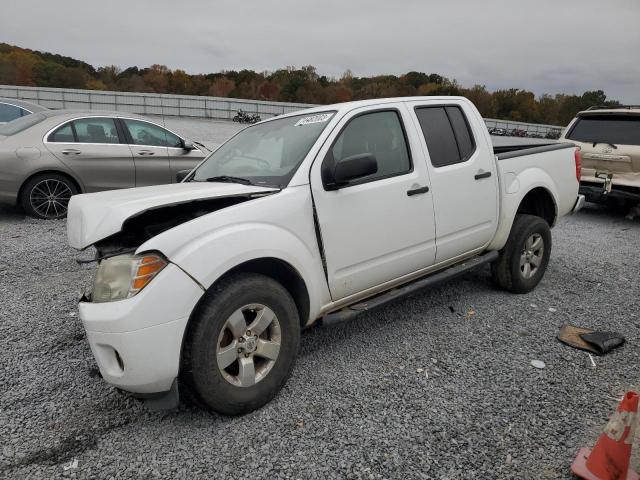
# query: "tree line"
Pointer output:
{"type": "Point", "coordinates": [20, 66]}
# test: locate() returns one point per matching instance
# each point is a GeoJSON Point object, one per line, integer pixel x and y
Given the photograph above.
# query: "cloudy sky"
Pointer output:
{"type": "Point", "coordinates": [542, 45]}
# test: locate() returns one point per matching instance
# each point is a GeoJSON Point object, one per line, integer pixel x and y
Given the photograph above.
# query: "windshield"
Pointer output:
{"type": "Point", "coordinates": [20, 124]}
{"type": "Point", "coordinates": [612, 129]}
{"type": "Point", "coordinates": [267, 153]}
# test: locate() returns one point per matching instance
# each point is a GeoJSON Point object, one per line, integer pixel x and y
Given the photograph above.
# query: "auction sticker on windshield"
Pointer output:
{"type": "Point", "coordinates": [319, 118]}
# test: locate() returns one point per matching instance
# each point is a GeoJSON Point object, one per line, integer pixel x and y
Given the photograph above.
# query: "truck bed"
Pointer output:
{"type": "Point", "coordinates": [510, 151]}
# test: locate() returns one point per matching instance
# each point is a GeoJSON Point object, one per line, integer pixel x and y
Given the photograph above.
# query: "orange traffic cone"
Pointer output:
{"type": "Point", "coordinates": [609, 459]}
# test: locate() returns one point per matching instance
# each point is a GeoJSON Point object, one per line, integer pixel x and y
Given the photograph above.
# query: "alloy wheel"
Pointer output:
{"type": "Point", "coordinates": [531, 256]}
{"type": "Point", "coordinates": [248, 345]}
{"type": "Point", "coordinates": [50, 198]}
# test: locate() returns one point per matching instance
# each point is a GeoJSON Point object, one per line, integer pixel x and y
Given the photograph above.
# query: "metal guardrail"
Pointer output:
{"type": "Point", "coordinates": [530, 128]}
{"type": "Point", "coordinates": [148, 103]}
{"type": "Point", "coordinates": [219, 108]}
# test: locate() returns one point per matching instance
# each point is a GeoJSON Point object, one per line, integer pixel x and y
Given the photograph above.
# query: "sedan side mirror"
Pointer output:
{"type": "Point", "coordinates": [352, 168]}
{"type": "Point", "coordinates": [188, 145]}
{"type": "Point", "coordinates": [181, 175]}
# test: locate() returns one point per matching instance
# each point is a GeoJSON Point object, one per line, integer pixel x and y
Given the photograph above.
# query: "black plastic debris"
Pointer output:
{"type": "Point", "coordinates": [590, 340]}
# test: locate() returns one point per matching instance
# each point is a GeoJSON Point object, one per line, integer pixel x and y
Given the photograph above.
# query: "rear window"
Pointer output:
{"type": "Point", "coordinates": [447, 133]}
{"type": "Point", "coordinates": [614, 129]}
{"type": "Point", "coordinates": [20, 124]}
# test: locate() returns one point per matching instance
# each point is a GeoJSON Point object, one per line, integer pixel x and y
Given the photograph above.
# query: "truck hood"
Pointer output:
{"type": "Point", "coordinates": [93, 217]}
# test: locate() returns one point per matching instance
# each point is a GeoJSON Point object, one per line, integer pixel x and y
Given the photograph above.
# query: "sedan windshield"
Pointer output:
{"type": "Point", "coordinates": [268, 153]}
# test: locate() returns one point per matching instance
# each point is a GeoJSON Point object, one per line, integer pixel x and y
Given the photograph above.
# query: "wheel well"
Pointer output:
{"type": "Point", "coordinates": [44, 172]}
{"type": "Point", "coordinates": [284, 274]}
{"type": "Point", "coordinates": [539, 202]}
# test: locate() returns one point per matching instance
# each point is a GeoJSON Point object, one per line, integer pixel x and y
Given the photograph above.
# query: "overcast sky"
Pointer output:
{"type": "Point", "coordinates": [542, 45]}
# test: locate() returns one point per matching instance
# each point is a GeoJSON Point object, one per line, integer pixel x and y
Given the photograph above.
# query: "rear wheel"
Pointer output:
{"type": "Point", "coordinates": [47, 196]}
{"type": "Point", "coordinates": [524, 258]}
{"type": "Point", "coordinates": [242, 344]}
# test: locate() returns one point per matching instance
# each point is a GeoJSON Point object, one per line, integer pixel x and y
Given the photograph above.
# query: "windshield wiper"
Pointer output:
{"type": "Point", "coordinates": [230, 179]}
{"type": "Point", "coordinates": [606, 143]}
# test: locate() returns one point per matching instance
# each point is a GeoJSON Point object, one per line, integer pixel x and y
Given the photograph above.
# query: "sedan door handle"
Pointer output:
{"type": "Point", "coordinates": [71, 151]}
{"type": "Point", "coordinates": [417, 191]}
{"type": "Point", "coordinates": [146, 152]}
{"type": "Point", "coordinates": [480, 175]}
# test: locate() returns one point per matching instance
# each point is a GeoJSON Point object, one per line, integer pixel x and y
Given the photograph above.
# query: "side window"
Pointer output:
{"type": "Point", "coordinates": [24, 112]}
{"type": "Point", "coordinates": [447, 133]}
{"type": "Point", "coordinates": [144, 133]}
{"type": "Point", "coordinates": [96, 130]}
{"type": "Point", "coordinates": [63, 134]}
{"type": "Point", "coordinates": [378, 133]}
{"type": "Point", "coordinates": [9, 112]}
{"type": "Point", "coordinates": [462, 131]}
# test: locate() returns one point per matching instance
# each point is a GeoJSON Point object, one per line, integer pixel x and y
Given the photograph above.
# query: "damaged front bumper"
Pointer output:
{"type": "Point", "coordinates": [137, 342]}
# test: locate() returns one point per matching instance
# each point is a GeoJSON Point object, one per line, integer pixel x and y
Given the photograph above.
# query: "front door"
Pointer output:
{"type": "Point", "coordinates": [463, 176]}
{"type": "Point", "coordinates": [148, 143]}
{"type": "Point", "coordinates": [181, 159]}
{"type": "Point", "coordinates": [94, 149]}
{"type": "Point", "coordinates": [381, 227]}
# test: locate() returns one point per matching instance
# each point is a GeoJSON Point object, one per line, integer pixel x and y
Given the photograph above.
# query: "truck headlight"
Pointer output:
{"type": "Point", "coordinates": [123, 276]}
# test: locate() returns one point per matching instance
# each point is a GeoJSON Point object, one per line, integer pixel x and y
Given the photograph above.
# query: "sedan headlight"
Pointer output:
{"type": "Point", "coordinates": [123, 276]}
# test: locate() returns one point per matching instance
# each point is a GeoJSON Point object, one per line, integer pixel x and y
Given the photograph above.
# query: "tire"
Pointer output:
{"type": "Point", "coordinates": [510, 271]}
{"type": "Point", "coordinates": [213, 341]}
{"type": "Point", "coordinates": [47, 195]}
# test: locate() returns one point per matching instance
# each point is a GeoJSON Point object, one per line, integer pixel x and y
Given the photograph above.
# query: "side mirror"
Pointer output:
{"type": "Point", "coordinates": [188, 145]}
{"type": "Point", "coordinates": [352, 168]}
{"type": "Point", "coordinates": [181, 175]}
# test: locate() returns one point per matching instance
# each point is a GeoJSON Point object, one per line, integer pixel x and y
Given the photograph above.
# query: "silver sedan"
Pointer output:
{"type": "Point", "coordinates": [47, 157]}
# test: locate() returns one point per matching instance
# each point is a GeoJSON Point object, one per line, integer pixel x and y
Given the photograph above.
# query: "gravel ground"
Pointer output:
{"type": "Point", "coordinates": [438, 385]}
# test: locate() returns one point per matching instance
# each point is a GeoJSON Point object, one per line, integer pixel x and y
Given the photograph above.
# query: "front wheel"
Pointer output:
{"type": "Point", "coordinates": [524, 258]}
{"type": "Point", "coordinates": [242, 344]}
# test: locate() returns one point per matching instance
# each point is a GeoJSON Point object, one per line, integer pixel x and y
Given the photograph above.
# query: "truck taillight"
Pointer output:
{"type": "Point", "coordinates": [578, 160]}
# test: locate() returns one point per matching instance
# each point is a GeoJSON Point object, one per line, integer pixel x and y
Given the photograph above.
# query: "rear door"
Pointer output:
{"type": "Point", "coordinates": [381, 227]}
{"type": "Point", "coordinates": [148, 143]}
{"type": "Point", "coordinates": [95, 150]}
{"type": "Point", "coordinates": [463, 176]}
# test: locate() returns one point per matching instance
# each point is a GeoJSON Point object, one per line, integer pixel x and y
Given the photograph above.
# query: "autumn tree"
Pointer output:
{"type": "Point", "coordinates": [20, 66]}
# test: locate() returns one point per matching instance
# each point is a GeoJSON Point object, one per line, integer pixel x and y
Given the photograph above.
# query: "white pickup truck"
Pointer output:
{"type": "Point", "coordinates": [319, 214]}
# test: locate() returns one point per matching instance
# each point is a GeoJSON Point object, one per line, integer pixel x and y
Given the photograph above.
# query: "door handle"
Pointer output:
{"type": "Point", "coordinates": [146, 152]}
{"type": "Point", "coordinates": [70, 151]}
{"type": "Point", "coordinates": [480, 175]}
{"type": "Point", "coordinates": [417, 191]}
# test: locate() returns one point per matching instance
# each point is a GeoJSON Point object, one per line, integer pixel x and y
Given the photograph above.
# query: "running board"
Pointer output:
{"type": "Point", "coordinates": [351, 311]}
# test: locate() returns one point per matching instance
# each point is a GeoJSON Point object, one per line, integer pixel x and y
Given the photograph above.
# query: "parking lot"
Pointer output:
{"type": "Point", "coordinates": [437, 385]}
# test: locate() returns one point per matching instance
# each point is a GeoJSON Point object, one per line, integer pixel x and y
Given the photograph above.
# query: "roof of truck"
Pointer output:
{"type": "Point", "coordinates": [347, 106]}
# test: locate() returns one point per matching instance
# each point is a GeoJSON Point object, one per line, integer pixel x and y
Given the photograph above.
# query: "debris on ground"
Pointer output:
{"type": "Point", "coordinates": [71, 466]}
{"type": "Point", "coordinates": [590, 340]}
{"type": "Point", "coordinates": [538, 364]}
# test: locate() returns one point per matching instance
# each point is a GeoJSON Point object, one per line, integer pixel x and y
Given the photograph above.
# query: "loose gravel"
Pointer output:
{"type": "Point", "coordinates": [439, 385]}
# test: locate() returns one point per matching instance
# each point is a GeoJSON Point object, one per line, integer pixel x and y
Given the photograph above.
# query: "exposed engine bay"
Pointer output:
{"type": "Point", "coordinates": [147, 224]}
